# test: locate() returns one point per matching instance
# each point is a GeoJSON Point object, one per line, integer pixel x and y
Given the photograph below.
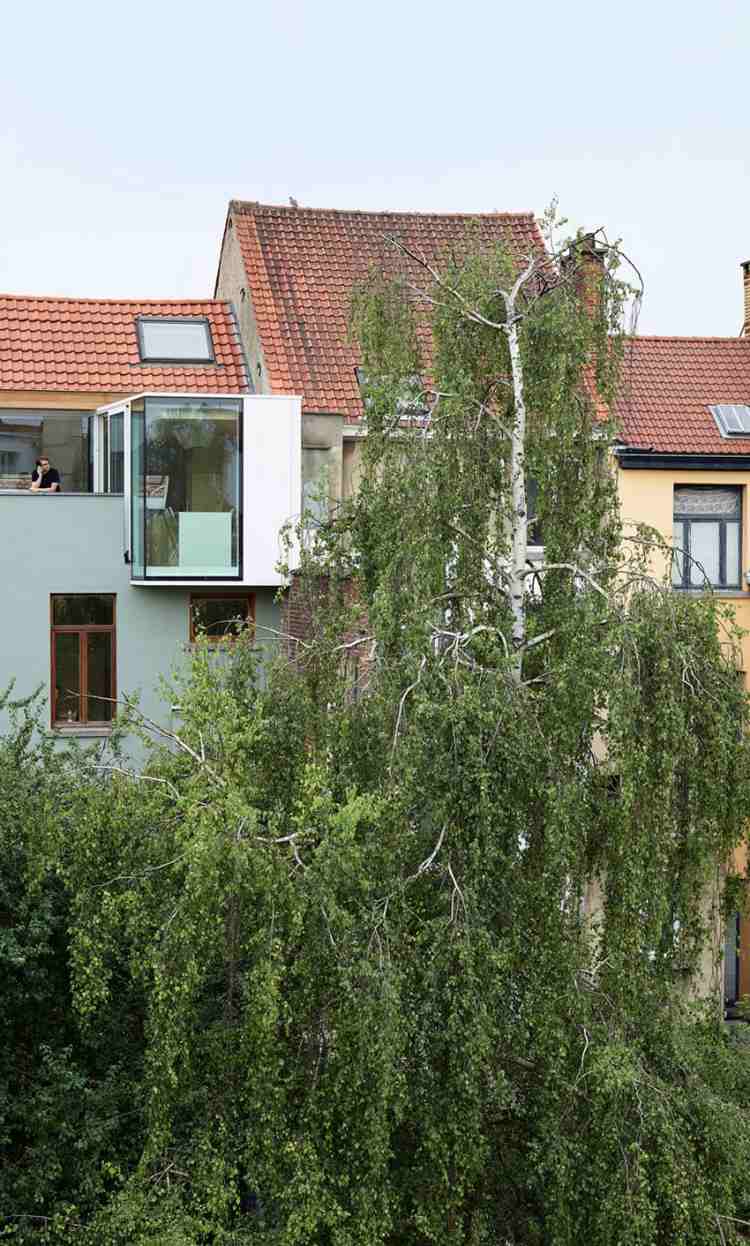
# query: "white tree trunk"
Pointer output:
{"type": "Point", "coordinates": [518, 518]}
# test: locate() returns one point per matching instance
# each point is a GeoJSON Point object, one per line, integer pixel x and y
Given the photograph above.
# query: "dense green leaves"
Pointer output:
{"type": "Point", "coordinates": [415, 966]}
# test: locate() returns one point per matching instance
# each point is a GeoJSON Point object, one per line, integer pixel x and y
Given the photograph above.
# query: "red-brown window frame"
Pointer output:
{"type": "Point", "coordinates": [82, 630]}
{"type": "Point", "coordinates": [220, 594]}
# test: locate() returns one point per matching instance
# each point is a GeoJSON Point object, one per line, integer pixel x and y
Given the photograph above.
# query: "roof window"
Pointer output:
{"type": "Point", "coordinates": [733, 419]}
{"type": "Point", "coordinates": [183, 340]}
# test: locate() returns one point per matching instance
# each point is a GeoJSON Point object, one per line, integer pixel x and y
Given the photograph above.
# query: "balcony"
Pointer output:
{"type": "Point", "coordinates": [203, 483]}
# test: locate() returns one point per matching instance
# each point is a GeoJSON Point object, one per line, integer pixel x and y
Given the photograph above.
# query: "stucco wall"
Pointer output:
{"type": "Point", "coordinates": [648, 497]}
{"type": "Point", "coordinates": [73, 544]}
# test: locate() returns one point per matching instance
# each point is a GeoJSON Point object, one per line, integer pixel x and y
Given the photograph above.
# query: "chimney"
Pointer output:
{"type": "Point", "coordinates": [586, 262]}
{"type": "Point", "coordinates": [745, 331]}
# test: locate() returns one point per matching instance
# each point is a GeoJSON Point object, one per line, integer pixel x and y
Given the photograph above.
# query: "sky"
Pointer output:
{"type": "Point", "coordinates": [125, 129]}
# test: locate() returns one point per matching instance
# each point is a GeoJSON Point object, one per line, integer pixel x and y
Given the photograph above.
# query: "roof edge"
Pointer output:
{"type": "Point", "coordinates": [687, 460]}
{"type": "Point", "coordinates": [120, 302]}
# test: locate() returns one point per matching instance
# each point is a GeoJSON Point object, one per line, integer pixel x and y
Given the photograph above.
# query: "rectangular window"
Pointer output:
{"type": "Point", "coordinates": [63, 437]}
{"type": "Point", "coordinates": [220, 615]}
{"type": "Point", "coordinates": [164, 340]}
{"type": "Point", "coordinates": [706, 537]}
{"type": "Point", "coordinates": [83, 659]}
{"type": "Point", "coordinates": [186, 488]}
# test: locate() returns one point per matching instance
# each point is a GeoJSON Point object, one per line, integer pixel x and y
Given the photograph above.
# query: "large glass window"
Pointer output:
{"type": "Point", "coordinates": [186, 488]}
{"type": "Point", "coordinates": [63, 437]}
{"type": "Point", "coordinates": [706, 537]}
{"type": "Point", "coordinates": [83, 659]}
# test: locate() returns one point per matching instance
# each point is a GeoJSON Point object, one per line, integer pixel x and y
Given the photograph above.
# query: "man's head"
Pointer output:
{"type": "Point", "coordinates": [44, 465]}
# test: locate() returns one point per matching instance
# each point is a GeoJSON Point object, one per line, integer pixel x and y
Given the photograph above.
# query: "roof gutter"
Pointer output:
{"type": "Point", "coordinates": [650, 460]}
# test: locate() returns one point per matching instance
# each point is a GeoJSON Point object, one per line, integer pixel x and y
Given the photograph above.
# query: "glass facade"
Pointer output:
{"type": "Point", "coordinates": [63, 437]}
{"type": "Point", "coordinates": [186, 488]}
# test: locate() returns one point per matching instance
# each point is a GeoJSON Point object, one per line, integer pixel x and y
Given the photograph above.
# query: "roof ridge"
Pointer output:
{"type": "Point", "coordinates": [248, 206]}
{"type": "Point", "coordinates": [71, 298]}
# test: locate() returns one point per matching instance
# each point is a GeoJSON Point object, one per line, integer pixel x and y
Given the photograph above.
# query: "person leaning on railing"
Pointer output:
{"type": "Point", "coordinates": [45, 479]}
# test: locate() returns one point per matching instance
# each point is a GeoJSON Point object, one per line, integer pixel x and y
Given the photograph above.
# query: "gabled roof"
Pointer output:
{"type": "Point", "coordinates": [668, 385]}
{"type": "Point", "coordinates": [60, 344]}
{"type": "Point", "coordinates": [301, 265]}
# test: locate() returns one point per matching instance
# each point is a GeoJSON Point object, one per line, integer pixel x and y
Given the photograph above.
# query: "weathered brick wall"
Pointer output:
{"type": "Point", "coordinates": [304, 599]}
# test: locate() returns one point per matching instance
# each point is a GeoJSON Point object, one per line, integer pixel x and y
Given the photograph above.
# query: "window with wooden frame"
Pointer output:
{"type": "Point", "coordinates": [221, 615]}
{"type": "Point", "coordinates": [83, 659]}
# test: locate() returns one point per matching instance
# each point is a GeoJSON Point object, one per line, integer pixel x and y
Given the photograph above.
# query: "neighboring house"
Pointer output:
{"type": "Point", "coordinates": [684, 469]}
{"type": "Point", "coordinates": [684, 461]}
{"type": "Point", "coordinates": [181, 448]}
{"type": "Point", "coordinates": [290, 273]}
{"type": "Point", "coordinates": [175, 481]}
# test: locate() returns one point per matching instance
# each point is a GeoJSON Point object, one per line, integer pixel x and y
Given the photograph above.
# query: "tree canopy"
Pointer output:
{"type": "Point", "coordinates": [393, 942]}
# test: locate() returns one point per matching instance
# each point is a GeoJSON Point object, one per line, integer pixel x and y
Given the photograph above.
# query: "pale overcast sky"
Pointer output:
{"type": "Point", "coordinates": [125, 129]}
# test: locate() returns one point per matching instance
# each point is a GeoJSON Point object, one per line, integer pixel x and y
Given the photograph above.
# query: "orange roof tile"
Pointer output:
{"type": "Point", "coordinates": [668, 385]}
{"type": "Point", "coordinates": [301, 265]}
{"type": "Point", "coordinates": [59, 344]}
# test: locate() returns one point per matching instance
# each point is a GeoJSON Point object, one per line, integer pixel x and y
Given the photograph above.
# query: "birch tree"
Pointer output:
{"type": "Point", "coordinates": [351, 903]}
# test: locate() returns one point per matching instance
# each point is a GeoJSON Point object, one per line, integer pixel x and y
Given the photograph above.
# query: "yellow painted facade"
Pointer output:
{"type": "Point", "coordinates": [647, 497]}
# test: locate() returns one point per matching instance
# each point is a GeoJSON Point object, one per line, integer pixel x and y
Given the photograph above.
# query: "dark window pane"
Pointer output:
{"type": "Point", "coordinates": [99, 670]}
{"type": "Point", "coordinates": [220, 616]}
{"type": "Point", "coordinates": [67, 689]}
{"type": "Point", "coordinates": [733, 553]}
{"type": "Point", "coordinates": [116, 465]}
{"type": "Point", "coordinates": [84, 609]}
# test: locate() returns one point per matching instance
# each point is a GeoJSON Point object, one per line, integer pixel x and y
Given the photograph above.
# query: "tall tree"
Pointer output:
{"type": "Point", "coordinates": [378, 1005]}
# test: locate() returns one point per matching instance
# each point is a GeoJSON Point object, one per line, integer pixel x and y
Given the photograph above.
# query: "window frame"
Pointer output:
{"type": "Point", "coordinates": [82, 630]}
{"type": "Point", "coordinates": [220, 594]}
{"type": "Point", "coordinates": [688, 519]}
{"type": "Point", "coordinates": [140, 321]}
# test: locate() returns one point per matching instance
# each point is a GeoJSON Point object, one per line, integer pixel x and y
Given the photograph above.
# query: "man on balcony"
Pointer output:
{"type": "Point", "coordinates": [45, 479]}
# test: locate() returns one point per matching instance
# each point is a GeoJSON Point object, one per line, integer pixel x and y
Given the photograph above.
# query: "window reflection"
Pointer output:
{"type": "Point", "coordinates": [187, 488]}
{"type": "Point", "coordinates": [60, 436]}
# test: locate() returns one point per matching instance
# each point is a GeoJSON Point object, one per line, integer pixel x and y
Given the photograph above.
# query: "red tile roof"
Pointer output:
{"type": "Point", "coordinates": [301, 265]}
{"type": "Point", "coordinates": [61, 344]}
{"type": "Point", "coordinates": [668, 384]}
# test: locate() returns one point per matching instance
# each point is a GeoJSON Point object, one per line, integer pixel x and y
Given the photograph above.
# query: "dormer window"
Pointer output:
{"type": "Point", "coordinates": [733, 419]}
{"type": "Point", "coordinates": [183, 340]}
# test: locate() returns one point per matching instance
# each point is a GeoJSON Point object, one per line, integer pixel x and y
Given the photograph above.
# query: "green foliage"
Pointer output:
{"type": "Point", "coordinates": [341, 958]}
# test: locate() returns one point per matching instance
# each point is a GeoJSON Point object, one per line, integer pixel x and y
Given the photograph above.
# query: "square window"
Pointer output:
{"type": "Point", "coordinates": [163, 340]}
{"type": "Point", "coordinates": [83, 659]}
{"type": "Point", "coordinates": [220, 616]}
{"type": "Point", "coordinates": [706, 537]}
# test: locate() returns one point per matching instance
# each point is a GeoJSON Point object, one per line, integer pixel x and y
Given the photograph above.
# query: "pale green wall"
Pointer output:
{"type": "Point", "coordinates": [73, 543]}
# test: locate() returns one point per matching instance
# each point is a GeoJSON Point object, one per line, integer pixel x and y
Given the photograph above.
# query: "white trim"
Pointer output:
{"type": "Point", "coordinates": [183, 393]}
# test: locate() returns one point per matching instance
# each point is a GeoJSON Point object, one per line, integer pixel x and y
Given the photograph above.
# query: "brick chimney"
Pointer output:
{"type": "Point", "coordinates": [586, 262]}
{"type": "Point", "coordinates": [746, 292]}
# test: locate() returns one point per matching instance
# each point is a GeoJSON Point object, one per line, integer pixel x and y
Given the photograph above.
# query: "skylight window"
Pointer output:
{"type": "Point", "coordinates": [161, 340]}
{"type": "Point", "coordinates": [733, 419]}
